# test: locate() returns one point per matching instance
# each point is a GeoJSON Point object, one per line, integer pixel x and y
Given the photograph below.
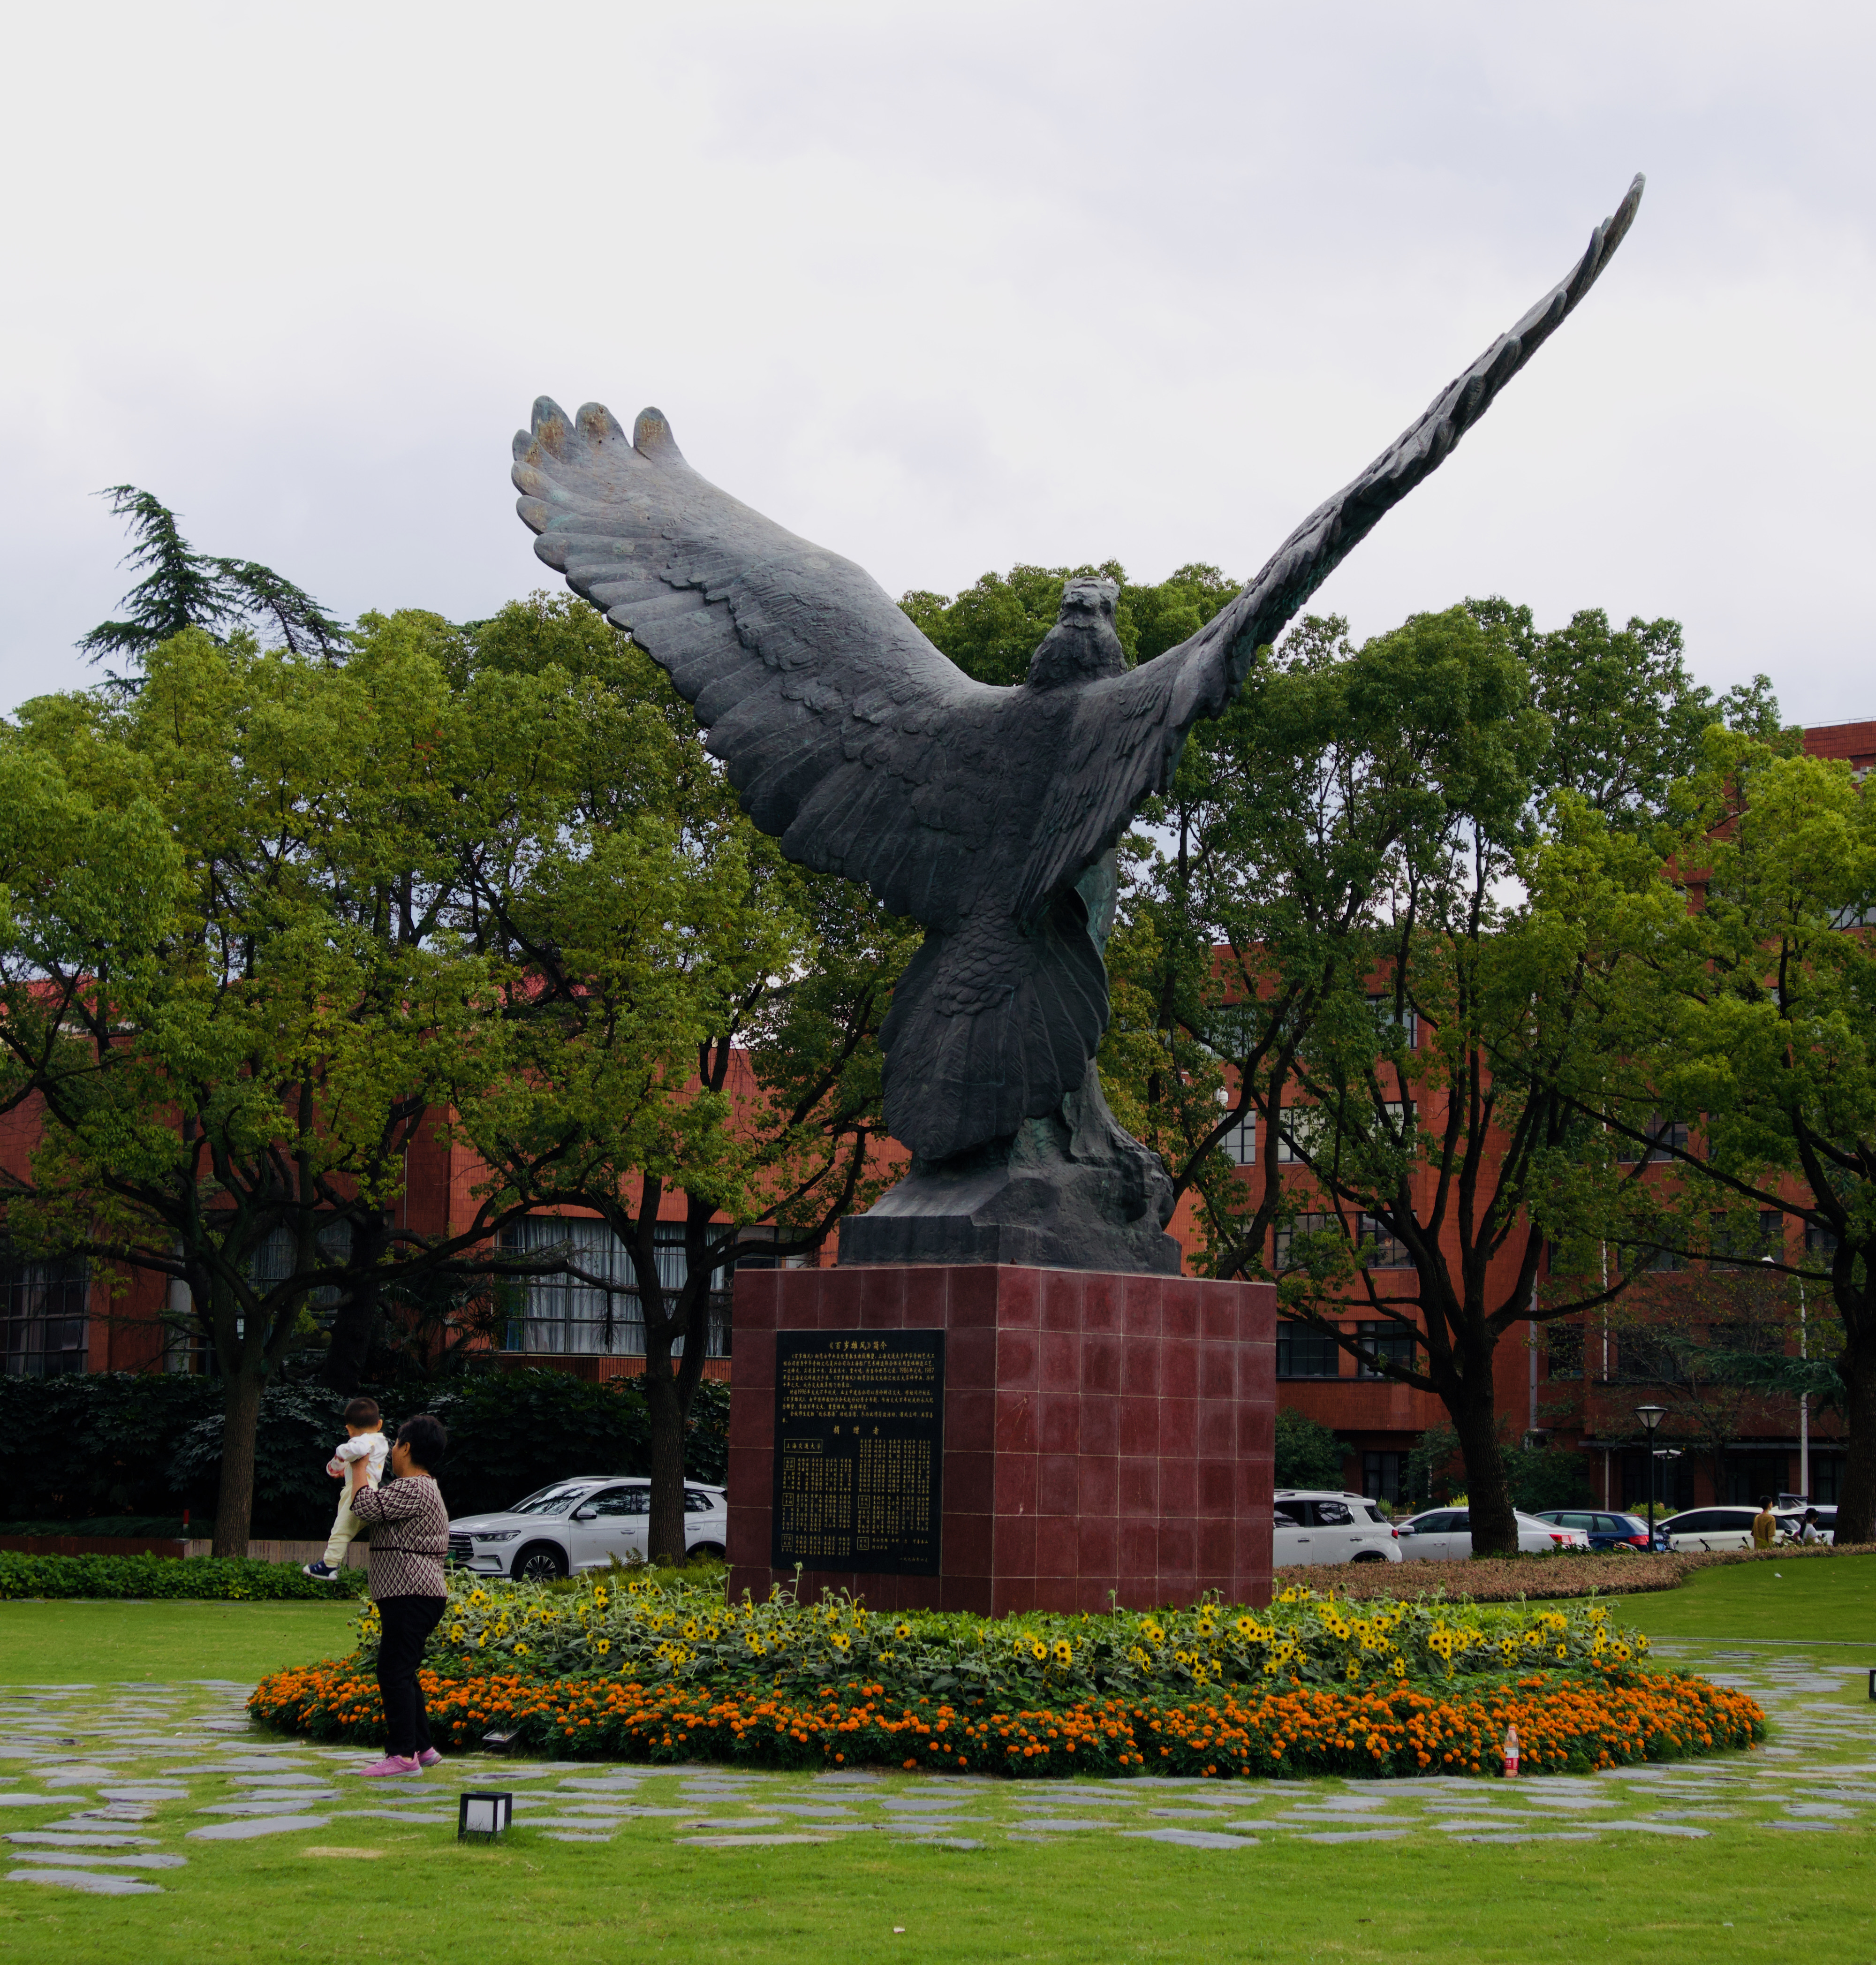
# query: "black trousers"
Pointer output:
{"type": "Point", "coordinates": [406, 1622]}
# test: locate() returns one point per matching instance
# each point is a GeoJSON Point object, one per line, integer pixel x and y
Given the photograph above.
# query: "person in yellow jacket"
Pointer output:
{"type": "Point", "coordinates": [1764, 1524]}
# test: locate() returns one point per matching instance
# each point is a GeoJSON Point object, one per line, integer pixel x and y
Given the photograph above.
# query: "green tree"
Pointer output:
{"type": "Point", "coordinates": [222, 977]}
{"type": "Point", "coordinates": [992, 629]}
{"type": "Point", "coordinates": [695, 1021]}
{"type": "Point", "coordinates": [1327, 938]}
{"type": "Point", "coordinates": [1742, 986]}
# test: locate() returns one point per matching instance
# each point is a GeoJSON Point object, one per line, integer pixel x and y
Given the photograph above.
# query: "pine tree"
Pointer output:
{"type": "Point", "coordinates": [181, 588]}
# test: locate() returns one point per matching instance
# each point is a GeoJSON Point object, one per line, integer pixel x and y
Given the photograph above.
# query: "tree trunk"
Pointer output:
{"type": "Point", "coordinates": [669, 1394]}
{"type": "Point", "coordinates": [1475, 1419]}
{"type": "Point", "coordinates": [666, 1529]}
{"type": "Point", "coordinates": [354, 1329]}
{"type": "Point", "coordinates": [1856, 1501]}
{"type": "Point", "coordinates": [234, 1505]}
{"type": "Point", "coordinates": [355, 1325]}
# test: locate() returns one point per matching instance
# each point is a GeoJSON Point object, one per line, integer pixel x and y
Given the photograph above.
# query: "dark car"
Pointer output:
{"type": "Point", "coordinates": [1604, 1530]}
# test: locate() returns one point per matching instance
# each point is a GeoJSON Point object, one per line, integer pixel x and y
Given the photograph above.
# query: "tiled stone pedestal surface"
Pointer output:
{"type": "Point", "coordinates": [1102, 1432]}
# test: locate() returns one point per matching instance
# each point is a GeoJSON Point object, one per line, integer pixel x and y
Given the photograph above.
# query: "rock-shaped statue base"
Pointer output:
{"type": "Point", "coordinates": [1069, 1191]}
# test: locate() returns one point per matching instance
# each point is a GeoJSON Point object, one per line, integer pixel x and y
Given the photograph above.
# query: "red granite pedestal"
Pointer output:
{"type": "Point", "coordinates": [1102, 1433]}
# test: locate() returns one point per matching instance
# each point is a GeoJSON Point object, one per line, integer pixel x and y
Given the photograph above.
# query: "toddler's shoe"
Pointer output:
{"type": "Point", "coordinates": [429, 1757]}
{"type": "Point", "coordinates": [319, 1572]}
{"type": "Point", "coordinates": [393, 1763]}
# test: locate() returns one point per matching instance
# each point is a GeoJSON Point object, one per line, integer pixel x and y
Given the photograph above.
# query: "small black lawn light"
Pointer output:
{"type": "Point", "coordinates": [495, 1742]}
{"type": "Point", "coordinates": [482, 1815]}
{"type": "Point", "coordinates": [1872, 1682]}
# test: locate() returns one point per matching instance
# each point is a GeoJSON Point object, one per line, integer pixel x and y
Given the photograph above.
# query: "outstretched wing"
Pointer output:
{"type": "Point", "coordinates": [847, 734]}
{"type": "Point", "coordinates": [1128, 730]}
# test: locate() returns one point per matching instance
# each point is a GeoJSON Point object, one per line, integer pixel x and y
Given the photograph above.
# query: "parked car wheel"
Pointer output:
{"type": "Point", "coordinates": [1368, 1556]}
{"type": "Point", "coordinates": [713, 1550]}
{"type": "Point", "coordinates": [539, 1562]}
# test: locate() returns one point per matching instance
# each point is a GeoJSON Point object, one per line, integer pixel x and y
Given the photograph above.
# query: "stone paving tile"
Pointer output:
{"type": "Point", "coordinates": [269, 1825]}
{"type": "Point", "coordinates": [88, 1880]}
{"type": "Point", "coordinates": [118, 1770]}
{"type": "Point", "coordinates": [1190, 1839]}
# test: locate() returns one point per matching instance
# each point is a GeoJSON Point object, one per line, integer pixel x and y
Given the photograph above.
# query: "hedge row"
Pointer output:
{"type": "Point", "coordinates": [1507, 1579]}
{"type": "Point", "coordinates": [213, 1578]}
{"type": "Point", "coordinates": [1565, 1723]}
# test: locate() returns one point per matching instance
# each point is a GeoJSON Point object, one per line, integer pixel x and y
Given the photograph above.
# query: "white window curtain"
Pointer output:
{"type": "Point", "coordinates": [565, 1315]}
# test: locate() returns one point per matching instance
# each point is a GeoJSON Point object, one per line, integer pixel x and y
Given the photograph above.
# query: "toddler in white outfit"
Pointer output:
{"type": "Point", "coordinates": [364, 1440]}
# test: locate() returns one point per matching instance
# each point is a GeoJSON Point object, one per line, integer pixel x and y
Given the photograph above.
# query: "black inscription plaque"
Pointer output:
{"type": "Point", "coordinates": [858, 1450]}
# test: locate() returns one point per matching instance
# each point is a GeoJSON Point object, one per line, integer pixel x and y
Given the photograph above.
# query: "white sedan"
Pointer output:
{"type": "Point", "coordinates": [1444, 1535]}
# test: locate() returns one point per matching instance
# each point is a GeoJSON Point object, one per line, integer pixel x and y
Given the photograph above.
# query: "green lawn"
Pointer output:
{"type": "Point", "coordinates": [1744, 1893]}
{"type": "Point", "coordinates": [429, 1903]}
{"type": "Point", "coordinates": [1827, 1598]}
{"type": "Point", "coordinates": [82, 1639]}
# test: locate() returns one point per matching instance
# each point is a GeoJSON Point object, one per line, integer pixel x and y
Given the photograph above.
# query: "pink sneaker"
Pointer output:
{"type": "Point", "coordinates": [429, 1757]}
{"type": "Point", "coordinates": [393, 1763]}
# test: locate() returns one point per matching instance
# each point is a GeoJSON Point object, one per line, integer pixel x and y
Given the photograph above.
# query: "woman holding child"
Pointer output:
{"type": "Point", "coordinates": [410, 1539]}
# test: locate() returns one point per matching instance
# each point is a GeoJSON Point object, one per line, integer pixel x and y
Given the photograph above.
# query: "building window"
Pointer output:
{"type": "Point", "coordinates": [1384, 1476]}
{"type": "Point", "coordinates": [1642, 1259]}
{"type": "Point", "coordinates": [1299, 1131]}
{"type": "Point", "coordinates": [1563, 1346]}
{"type": "Point", "coordinates": [1819, 1241]}
{"type": "Point", "coordinates": [277, 1258]}
{"type": "Point", "coordinates": [1386, 1021]}
{"type": "Point", "coordinates": [1281, 1238]}
{"type": "Point", "coordinates": [1303, 1352]}
{"type": "Point", "coordinates": [1384, 1251]}
{"type": "Point", "coordinates": [599, 1311]}
{"type": "Point", "coordinates": [1385, 1342]}
{"type": "Point", "coordinates": [1641, 1359]}
{"type": "Point", "coordinates": [1240, 1143]}
{"type": "Point", "coordinates": [1765, 1238]}
{"type": "Point", "coordinates": [1827, 1478]}
{"type": "Point", "coordinates": [1748, 1475]}
{"type": "Point", "coordinates": [1308, 1129]}
{"type": "Point", "coordinates": [44, 1318]}
{"type": "Point", "coordinates": [1663, 1135]}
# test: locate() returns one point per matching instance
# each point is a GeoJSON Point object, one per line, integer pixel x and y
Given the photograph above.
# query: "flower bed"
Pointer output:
{"type": "Point", "coordinates": [659, 1627]}
{"type": "Point", "coordinates": [1565, 1723]}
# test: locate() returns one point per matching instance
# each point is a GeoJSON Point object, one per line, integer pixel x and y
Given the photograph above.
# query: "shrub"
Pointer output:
{"type": "Point", "coordinates": [1308, 1454]}
{"type": "Point", "coordinates": [91, 1443]}
{"type": "Point", "coordinates": [674, 1627]}
{"type": "Point", "coordinates": [155, 1576]}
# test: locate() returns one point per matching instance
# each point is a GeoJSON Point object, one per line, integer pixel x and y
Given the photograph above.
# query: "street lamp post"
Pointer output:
{"type": "Point", "coordinates": [1651, 1416]}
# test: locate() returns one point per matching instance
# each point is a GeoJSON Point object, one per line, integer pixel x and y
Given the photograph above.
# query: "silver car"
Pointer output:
{"type": "Point", "coordinates": [582, 1523]}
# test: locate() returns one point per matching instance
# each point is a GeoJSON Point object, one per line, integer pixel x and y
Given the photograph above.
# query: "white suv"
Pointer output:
{"type": "Point", "coordinates": [1699, 1529]}
{"type": "Point", "coordinates": [1322, 1526]}
{"type": "Point", "coordinates": [582, 1524]}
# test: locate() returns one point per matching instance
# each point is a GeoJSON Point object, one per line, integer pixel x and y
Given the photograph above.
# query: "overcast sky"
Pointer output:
{"type": "Point", "coordinates": [947, 287]}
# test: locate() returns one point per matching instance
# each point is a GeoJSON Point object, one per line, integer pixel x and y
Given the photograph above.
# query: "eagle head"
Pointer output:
{"type": "Point", "coordinates": [1082, 646]}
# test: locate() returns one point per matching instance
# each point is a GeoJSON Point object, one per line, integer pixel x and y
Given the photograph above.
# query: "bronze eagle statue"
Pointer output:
{"type": "Point", "coordinates": [984, 814]}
